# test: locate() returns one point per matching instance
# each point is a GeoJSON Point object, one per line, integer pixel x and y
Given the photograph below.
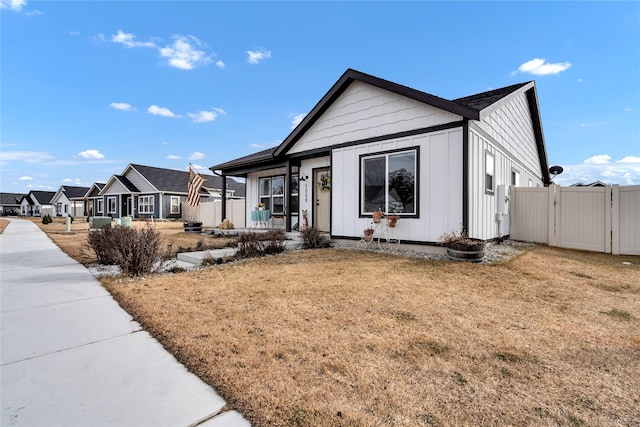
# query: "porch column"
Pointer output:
{"type": "Point", "coordinates": [224, 197]}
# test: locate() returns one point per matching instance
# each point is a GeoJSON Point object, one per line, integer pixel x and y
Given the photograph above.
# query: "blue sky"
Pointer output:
{"type": "Point", "coordinates": [89, 87]}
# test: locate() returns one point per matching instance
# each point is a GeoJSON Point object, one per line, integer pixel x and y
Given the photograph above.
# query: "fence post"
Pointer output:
{"type": "Point", "coordinates": [553, 213]}
{"type": "Point", "coordinates": [613, 198]}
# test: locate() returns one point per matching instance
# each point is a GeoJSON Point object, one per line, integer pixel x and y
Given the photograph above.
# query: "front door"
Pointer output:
{"type": "Point", "coordinates": [130, 206]}
{"type": "Point", "coordinates": [322, 189]}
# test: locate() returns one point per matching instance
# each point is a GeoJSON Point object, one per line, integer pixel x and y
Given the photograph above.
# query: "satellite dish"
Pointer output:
{"type": "Point", "coordinates": [555, 170]}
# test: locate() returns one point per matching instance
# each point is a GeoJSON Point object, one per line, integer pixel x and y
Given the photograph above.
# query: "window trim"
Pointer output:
{"type": "Point", "coordinates": [487, 190]}
{"type": "Point", "coordinates": [172, 205]}
{"type": "Point", "coordinates": [115, 204]}
{"type": "Point", "coordinates": [516, 173]}
{"type": "Point", "coordinates": [142, 204]}
{"type": "Point", "coordinates": [270, 197]}
{"type": "Point", "coordinates": [100, 205]}
{"type": "Point", "coordinates": [386, 154]}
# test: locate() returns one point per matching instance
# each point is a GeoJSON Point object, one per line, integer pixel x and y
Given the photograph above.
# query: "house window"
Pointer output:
{"type": "Point", "coordinates": [489, 172]}
{"type": "Point", "coordinates": [388, 182]}
{"type": "Point", "coordinates": [145, 204]}
{"type": "Point", "coordinates": [111, 205]}
{"type": "Point", "coordinates": [175, 205]}
{"type": "Point", "coordinates": [271, 193]}
{"type": "Point", "coordinates": [515, 177]}
{"type": "Point", "coordinates": [295, 191]}
{"type": "Point", "coordinates": [99, 206]}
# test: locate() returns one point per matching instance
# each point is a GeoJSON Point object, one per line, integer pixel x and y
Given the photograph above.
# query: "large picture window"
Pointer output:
{"type": "Point", "coordinates": [388, 182]}
{"type": "Point", "coordinates": [145, 204]}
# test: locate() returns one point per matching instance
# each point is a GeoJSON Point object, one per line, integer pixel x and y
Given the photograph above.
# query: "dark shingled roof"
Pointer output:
{"type": "Point", "coordinates": [127, 184]}
{"type": "Point", "coordinates": [251, 159]}
{"type": "Point", "coordinates": [175, 181]}
{"type": "Point", "coordinates": [43, 197]}
{"type": "Point", "coordinates": [480, 101]}
{"type": "Point", "coordinates": [10, 198]}
{"type": "Point", "coordinates": [73, 192]}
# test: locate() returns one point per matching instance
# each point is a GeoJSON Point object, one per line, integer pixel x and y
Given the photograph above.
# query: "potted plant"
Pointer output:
{"type": "Point", "coordinates": [368, 234]}
{"type": "Point", "coordinates": [377, 215]}
{"type": "Point", "coordinates": [461, 247]}
{"type": "Point", "coordinates": [392, 220]}
{"type": "Point", "coordinates": [260, 206]}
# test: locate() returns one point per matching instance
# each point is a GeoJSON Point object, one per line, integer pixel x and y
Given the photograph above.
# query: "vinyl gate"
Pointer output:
{"type": "Point", "coordinates": [603, 219]}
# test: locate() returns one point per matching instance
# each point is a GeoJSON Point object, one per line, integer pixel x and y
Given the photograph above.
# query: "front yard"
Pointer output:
{"type": "Point", "coordinates": [338, 337]}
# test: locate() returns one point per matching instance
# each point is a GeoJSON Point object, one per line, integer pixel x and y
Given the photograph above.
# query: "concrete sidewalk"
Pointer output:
{"type": "Point", "coordinates": [71, 356]}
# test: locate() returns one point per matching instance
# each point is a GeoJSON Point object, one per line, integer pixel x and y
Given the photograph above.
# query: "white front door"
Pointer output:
{"type": "Point", "coordinates": [322, 195]}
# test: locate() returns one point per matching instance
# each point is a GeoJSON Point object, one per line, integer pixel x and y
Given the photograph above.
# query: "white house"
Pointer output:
{"type": "Point", "coordinates": [369, 144]}
{"type": "Point", "coordinates": [69, 200]}
{"type": "Point", "coordinates": [37, 203]}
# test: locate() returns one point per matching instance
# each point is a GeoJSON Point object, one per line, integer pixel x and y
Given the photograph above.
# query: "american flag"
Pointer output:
{"type": "Point", "coordinates": [193, 188]}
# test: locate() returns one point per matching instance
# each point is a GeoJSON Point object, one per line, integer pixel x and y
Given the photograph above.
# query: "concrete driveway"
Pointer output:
{"type": "Point", "coordinates": [71, 356]}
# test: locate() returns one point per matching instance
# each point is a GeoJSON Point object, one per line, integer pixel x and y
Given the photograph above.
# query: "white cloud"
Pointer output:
{"type": "Point", "coordinates": [629, 159]}
{"type": "Point", "coordinates": [91, 154]}
{"type": "Point", "coordinates": [127, 39]}
{"type": "Point", "coordinates": [184, 53]}
{"type": "Point", "coordinates": [34, 12]}
{"type": "Point", "coordinates": [173, 157]}
{"type": "Point", "coordinates": [16, 5]}
{"type": "Point", "coordinates": [580, 81]}
{"type": "Point", "coordinates": [72, 181]}
{"type": "Point", "coordinates": [540, 67]}
{"type": "Point", "coordinates": [124, 106]}
{"type": "Point", "coordinates": [220, 64]}
{"type": "Point", "coordinates": [599, 159]}
{"type": "Point", "coordinates": [626, 110]}
{"type": "Point", "coordinates": [197, 156]}
{"type": "Point", "coordinates": [255, 56]}
{"type": "Point", "coordinates": [25, 156]}
{"type": "Point", "coordinates": [25, 178]}
{"type": "Point", "coordinates": [160, 111]}
{"type": "Point", "coordinates": [297, 119]}
{"type": "Point", "coordinates": [206, 116]}
{"type": "Point", "coordinates": [600, 168]}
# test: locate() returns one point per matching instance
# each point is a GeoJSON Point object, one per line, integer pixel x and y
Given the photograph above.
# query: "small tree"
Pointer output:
{"type": "Point", "coordinates": [47, 219]}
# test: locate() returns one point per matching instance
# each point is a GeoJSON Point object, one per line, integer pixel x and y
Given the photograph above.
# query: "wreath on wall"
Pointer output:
{"type": "Point", "coordinates": [325, 182]}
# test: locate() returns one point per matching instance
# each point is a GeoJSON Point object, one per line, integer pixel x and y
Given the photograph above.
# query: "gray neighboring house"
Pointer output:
{"type": "Point", "coordinates": [69, 200]}
{"type": "Point", "coordinates": [37, 203]}
{"type": "Point", "coordinates": [94, 203]}
{"type": "Point", "coordinates": [10, 203]}
{"type": "Point", "coordinates": [152, 192]}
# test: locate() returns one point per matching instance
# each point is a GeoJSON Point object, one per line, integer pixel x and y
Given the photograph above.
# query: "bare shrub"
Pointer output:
{"type": "Point", "coordinates": [312, 238]}
{"type": "Point", "coordinates": [252, 245]}
{"type": "Point", "coordinates": [134, 250]}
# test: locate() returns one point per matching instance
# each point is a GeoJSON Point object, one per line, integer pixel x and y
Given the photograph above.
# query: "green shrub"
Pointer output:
{"type": "Point", "coordinates": [47, 219]}
{"type": "Point", "coordinates": [135, 251]}
{"type": "Point", "coordinates": [312, 238]}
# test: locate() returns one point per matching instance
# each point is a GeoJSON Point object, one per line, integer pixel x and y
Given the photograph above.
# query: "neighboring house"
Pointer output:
{"type": "Point", "coordinates": [593, 184]}
{"type": "Point", "coordinates": [10, 203]}
{"type": "Point", "coordinates": [369, 144]}
{"type": "Point", "coordinates": [70, 200]}
{"type": "Point", "coordinates": [151, 192]}
{"type": "Point", "coordinates": [95, 202]}
{"type": "Point", "coordinates": [37, 203]}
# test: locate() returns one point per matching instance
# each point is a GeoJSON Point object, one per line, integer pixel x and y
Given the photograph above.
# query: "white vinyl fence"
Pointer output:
{"type": "Point", "coordinates": [603, 219]}
{"type": "Point", "coordinates": [210, 213]}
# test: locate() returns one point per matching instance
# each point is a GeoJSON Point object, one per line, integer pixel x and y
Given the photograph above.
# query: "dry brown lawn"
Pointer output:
{"type": "Point", "coordinates": [345, 338]}
{"type": "Point", "coordinates": [75, 244]}
{"type": "Point", "coordinates": [3, 224]}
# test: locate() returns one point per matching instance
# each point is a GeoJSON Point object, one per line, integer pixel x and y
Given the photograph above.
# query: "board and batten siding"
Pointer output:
{"type": "Point", "coordinates": [440, 186]}
{"type": "Point", "coordinates": [364, 111]}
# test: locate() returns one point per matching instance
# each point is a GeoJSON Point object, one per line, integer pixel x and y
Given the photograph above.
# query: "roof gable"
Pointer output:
{"type": "Point", "coordinates": [10, 198]}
